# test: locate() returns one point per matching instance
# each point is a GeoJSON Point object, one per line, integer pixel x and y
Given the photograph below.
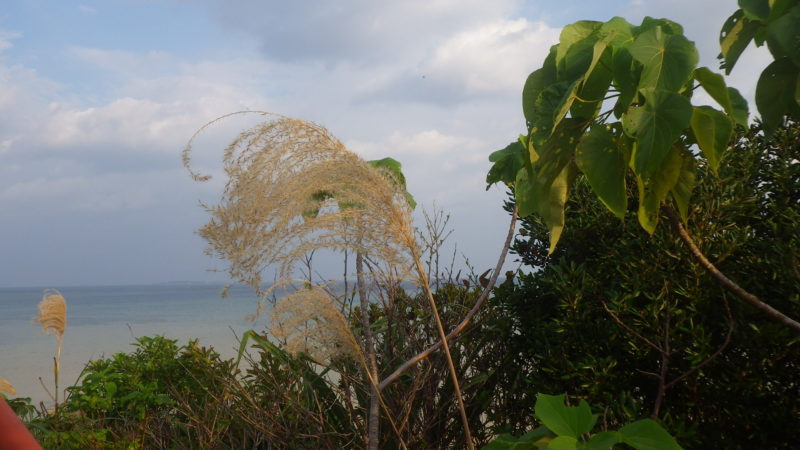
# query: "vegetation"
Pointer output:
{"type": "Point", "coordinates": [595, 317]}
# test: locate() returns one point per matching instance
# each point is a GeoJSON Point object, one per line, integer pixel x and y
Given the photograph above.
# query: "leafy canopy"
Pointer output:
{"type": "Point", "coordinates": [609, 98]}
{"type": "Point", "coordinates": [776, 23]}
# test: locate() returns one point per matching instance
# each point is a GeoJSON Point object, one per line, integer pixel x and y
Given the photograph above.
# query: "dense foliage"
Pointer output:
{"type": "Point", "coordinates": [557, 336]}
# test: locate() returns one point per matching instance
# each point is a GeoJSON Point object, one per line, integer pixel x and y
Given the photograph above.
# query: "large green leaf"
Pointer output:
{"type": "Point", "coordinates": [653, 191]}
{"type": "Point", "coordinates": [739, 109]}
{"type": "Point", "coordinates": [622, 29]}
{"type": "Point", "coordinates": [649, 23]}
{"type": "Point", "coordinates": [603, 440]}
{"type": "Point", "coordinates": [783, 35]}
{"type": "Point", "coordinates": [775, 92]}
{"type": "Point", "coordinates": [729, 98]}
{"type": "Point", "coordinates": [568, 59]}
{"type": "Point", "coordinates": [508, 442]}
{"type": "Point", "coordinates": [682, 191]}
{"type": "Point", "coordinates": [563, 443]}
{"type": "Point", "coordinates": [524, 193]}
{"type": "Point", "coordinates": [572, 421]}
{"type": "Point", "coordinates": [656, 125]}
{"type": "Point", "coordinates": [668, 59]}
{"type": "Point", "coordinates": [507, 163]}
{"type": "Point", "coordinates": [604, 165]}
{"type": "Point", "coordinates": [596, 81]}
{"type": "Point", "coordinates": [547, 106]}
{"type": "Point", "coordinates": [736, 34]}
{"type": "Point", "coordinates": [549, 201]}
{"type": "Point", "coordinates": [647, 434]}
{"type": "Point", "coordinates": [558, 151]}
{"type": "Point", "coordinates": [537, 81]}
{"type": "Point", "coordinates": [713, 131]}
{"type": "Point", "coordinates": [626, 77]}
{"type": "Point", "coordinates": [755, 9]}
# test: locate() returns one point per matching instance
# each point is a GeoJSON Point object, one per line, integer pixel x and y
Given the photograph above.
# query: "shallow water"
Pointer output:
{"type": "Point", "coordinates": [104, 320]}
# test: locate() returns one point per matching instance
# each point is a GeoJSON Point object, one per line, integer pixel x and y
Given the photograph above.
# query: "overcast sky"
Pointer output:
{"type": "Point", "coordinates": [97, 99]}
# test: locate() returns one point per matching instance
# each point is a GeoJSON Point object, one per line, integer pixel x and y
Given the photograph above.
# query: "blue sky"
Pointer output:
{"type": "Point", "coordinates": [98, 97]}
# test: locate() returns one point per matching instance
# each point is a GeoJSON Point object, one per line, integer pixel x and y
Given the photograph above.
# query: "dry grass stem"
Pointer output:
{"type": "Point", "coordinates": [53, 319]}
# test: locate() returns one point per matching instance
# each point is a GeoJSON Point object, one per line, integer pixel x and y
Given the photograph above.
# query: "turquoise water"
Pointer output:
{"type": "Point", "coordinates": [104, 320]}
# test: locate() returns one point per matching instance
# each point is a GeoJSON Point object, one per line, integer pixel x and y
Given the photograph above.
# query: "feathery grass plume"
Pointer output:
{"type": "Point", "coordinates": [293, 188]}
{"type": "Point", "coordinates": [6, 387]}
{"type": "Point", "coordinates": [53, 319]}
{"type": "Point", "coordinates": [308, 321]}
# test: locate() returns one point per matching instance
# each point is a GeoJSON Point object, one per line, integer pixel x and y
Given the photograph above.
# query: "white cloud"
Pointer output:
{"type": "Point", "coordinates": [357, 30]}
{"type": "Point", "coordinates": [6, 38]}
{"type": "Point", "coordinates": [87, 9]}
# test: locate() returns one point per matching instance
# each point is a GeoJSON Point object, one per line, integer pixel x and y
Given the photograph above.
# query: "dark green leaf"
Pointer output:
{"type": "Point", "coordinates": [626, 78]}
{"type": "Point", "coordinates": [736, 34]}
{"type": "Point", "coordinates": [558, 151]}
{"type": "Point", "coordinates": [549, 103]}
{"type": "Point", "coordinates": [755, 9]}
{"type": "Point", "coordinates": [524, 193]}
{"type": "Point", "coordinates": [579, 33]}
{"type": "Point", "coordinates": [682, 191]}
{"type": "Point", "coordinates": [656, 126]}
{"type": "Point", "coordinates": [653, 191]}
{"type": "Point", "coordinates": [729, 98]}
{"type": "Point", "coordinates": [596, 81]}
{"type": "Point", "coordinates": [563, 420]}
{"type": "Point", "coordinates": [507, 163]}
{"type": "Point", "coordinates": [668, 59]}
{"type": "Point", "coordinates": [713, 131]}
{"type": "Point", "coordinates": [603, 441]}
{"type": "Point", "coordinates": [537, 81]}
{"type": "Point", "coordinates": [536, 434]}
{"type": "Point", "coordinates": [775, 92]}
{"type": "Point", "coordinates": [783, 36]}
{"type": "Point", "coordinates": [647, 434]}
{"type": "Point", "coordinates": [507, 442]}
{"type": "Point", "coordinates": [623, 31]}
{"type": "Point", "coordinates": [550, 201]}
{"type": "Point", "coordinates": [604, 164]}
{"type": "Point", "coordinates": [649, 23]}
{"type": "Point", "coordinates": [563, 443]}
{"type": "Point", "coordinates": [739, 109]}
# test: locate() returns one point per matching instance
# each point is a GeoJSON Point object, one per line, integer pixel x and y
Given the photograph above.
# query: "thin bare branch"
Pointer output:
{"type": "Point", "coordinates": [467, 319]}
{"type": "Point", "coordinates": [631, 330]}
{"type": "Point", "coordinates": [719, 351]}
{"type": "Point", "coordinates": [726, 282]}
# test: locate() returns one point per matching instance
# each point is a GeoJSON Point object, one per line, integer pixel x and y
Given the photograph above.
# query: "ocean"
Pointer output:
{"type": "Point", "coordinates": [104, 320]}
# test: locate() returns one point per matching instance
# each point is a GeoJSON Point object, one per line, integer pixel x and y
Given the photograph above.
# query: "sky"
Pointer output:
{"type": "Point", "coordinates": [97, 99]}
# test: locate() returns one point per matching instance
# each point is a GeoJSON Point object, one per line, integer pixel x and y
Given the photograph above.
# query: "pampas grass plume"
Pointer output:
{"type": "Point", "coordinates": [53, 314]}
{"type": "Point", "coordinates": [6, 387]}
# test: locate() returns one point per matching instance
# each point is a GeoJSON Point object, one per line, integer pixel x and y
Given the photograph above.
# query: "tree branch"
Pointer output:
{"type": "Point", "coordinates": [722, 347]}
{"type": "Point", "coordinates": [467, 319]}
{"type": "Point", "coordinates": [631, 330]}
{"type": "Point", "coordinates": [726, 282]}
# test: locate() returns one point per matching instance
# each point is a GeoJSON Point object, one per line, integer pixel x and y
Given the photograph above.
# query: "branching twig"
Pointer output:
{"type": "Point", "coordinates": [467, 319]}
{"type": "Point", "coordinates": [722, 347]}
{"type": "Point", "coordinates": [726, 282]}
{"type": "Point", "coordinates": [631, 330]}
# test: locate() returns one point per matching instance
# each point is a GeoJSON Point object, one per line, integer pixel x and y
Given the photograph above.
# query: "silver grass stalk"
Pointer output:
{"type": "Point", "coordinates": [53, 319]}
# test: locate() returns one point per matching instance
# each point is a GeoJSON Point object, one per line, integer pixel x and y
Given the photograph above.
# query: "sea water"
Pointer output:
{"type": "Point", "coordinates": [104, 320]}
